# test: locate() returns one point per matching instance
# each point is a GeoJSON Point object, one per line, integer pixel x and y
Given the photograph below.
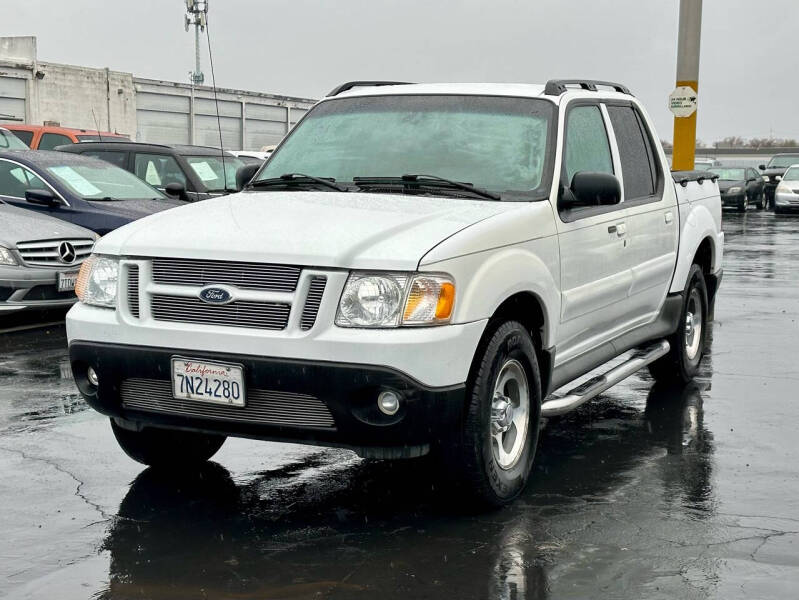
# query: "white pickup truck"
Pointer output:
{"type": "Point", "coordinates": [415, 270]}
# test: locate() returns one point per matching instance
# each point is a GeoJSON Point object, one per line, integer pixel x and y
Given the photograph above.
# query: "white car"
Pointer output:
{"type": "Point", "coordinates": [415, 270]}
{"type": "Point", "coordinates": [786, 194]}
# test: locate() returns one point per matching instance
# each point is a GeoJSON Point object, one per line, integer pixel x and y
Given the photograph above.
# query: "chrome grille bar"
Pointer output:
{"type": "Point", "coordinates": [241, 313]}
{"type": "Point", "coordinates": [245, 275]}
{"type": "Point", "coordinates": [133, 290]}
{"type": "Point", "coordinates": [45, 252]}
{"type": "Point", "coordinates": [268, 407]}
{"type": "Point", "coordinates": [315, 292]}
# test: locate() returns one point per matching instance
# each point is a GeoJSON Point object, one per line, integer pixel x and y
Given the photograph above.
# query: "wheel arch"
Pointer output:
{"type": "Point", "coordinates": [700, 243]}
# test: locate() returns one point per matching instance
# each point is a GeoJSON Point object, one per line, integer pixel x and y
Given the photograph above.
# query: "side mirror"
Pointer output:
{"type": "Point", "coordinates": [590, 188]}
{"type": "Point", "coordinates": [762, 167]}
{"type": "Point", "coordinates": [43, 197]}
{"type": "Point", "coordinates": [176, 190]}
{"type": "Point", "coordinates": [245, 174]}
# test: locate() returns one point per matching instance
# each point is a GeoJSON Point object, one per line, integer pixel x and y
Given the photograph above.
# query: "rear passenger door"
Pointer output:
{"type": "Point", "coordinates": [158, 169]}
{"type": "Point", "coordinates": [651, 209]}
{"type": "Point", "coordinates": [595, 276]}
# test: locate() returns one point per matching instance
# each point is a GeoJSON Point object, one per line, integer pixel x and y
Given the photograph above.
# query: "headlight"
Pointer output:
{"type": "Point", "coordinates": [6, 258]}
{"type": "Point", "coordinates": [97, 281]}
{"type": "Point", "coordinates": [778, 178]}
{"type": "Point", "coordinates": [766, 177]}
{"type": "Point", "coordinates": [734, 190]}
{"type": "Point", "coordinates": [783, 188]}
{"type": "Point", "coordinates": [394, 299]}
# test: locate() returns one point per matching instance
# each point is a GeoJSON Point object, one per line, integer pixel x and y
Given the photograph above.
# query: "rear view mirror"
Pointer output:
{"type": "Point", "coordinates": [176, 190]}
{"type": "Point", "coordinates": [762, 167]}
{"type": "Point", "coordinates": [590, 188]}
{"type": "Point", "coordinates": [43, 197]}
{"type": "Point", "coordinates": [245, 174]}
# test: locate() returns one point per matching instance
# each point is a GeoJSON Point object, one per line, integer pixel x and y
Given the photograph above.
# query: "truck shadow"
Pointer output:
{"type": "Point", "coordinates": [336, 527]}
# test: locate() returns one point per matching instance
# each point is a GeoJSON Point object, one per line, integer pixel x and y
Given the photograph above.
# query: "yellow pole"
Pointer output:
{"type": "Point", "coordinates": [687, 75]}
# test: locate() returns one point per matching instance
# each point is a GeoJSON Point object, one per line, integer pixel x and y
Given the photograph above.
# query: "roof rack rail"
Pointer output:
{"type": "Point", "coordinates": [351, 84]}
{"type": "Point", "coordinates": [556, 87]}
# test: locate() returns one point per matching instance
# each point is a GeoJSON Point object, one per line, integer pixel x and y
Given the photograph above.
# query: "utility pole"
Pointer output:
{"type": "Point", "coordinates": [196, 14]}
{"type": "Point", "coordinates": [683, 100]}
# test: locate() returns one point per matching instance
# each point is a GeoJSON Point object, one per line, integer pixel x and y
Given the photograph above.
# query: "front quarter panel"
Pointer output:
{"type": "Point", "coordinates": [699, 219]}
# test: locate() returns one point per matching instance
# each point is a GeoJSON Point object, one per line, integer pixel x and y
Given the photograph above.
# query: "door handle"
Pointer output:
{"type": "Point", "coordinates": [621, 229]}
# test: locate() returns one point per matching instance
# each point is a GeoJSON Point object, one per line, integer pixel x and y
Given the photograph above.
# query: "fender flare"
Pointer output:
{"type": "Point", "coordinates": [699, 226]}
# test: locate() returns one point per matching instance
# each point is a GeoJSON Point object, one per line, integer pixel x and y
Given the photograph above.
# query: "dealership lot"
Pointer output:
{"type": "Point", "coordinates": [647, 491]}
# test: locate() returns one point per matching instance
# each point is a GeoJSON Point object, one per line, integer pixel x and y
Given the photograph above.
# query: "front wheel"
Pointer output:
{"type": "Point", "coordinates": [493, 454]}
{"type": "Point", "coordinates": [763, 203]}
{"type": "Point", "coordinates": [743, 204]}
{"type": "Point", "coordinates": [688, 342]}
{"type": "Point", "coordinates": [164, 448]}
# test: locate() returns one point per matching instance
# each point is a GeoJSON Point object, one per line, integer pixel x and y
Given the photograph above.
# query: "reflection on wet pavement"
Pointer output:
{"type": "Point", "coordinates": [649, 491]}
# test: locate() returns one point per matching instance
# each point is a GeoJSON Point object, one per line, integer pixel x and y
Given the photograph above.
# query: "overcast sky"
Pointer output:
{"type": "Point", "coordinates": [306, 47]}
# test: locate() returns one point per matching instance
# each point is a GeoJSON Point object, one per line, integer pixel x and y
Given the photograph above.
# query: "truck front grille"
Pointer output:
{"type": "Point", "coordinates": [55, 253]}
{"type": "Point", "coordinates": [243, 275]}
{"type": "Point", "coordinates": [268, 407]}
{"type": "Point", "coordinates": [133, 290]}
{"type": "Point", "coordinates": [241, 313]}
{"type": "Point", "coordinates": [315, 292]}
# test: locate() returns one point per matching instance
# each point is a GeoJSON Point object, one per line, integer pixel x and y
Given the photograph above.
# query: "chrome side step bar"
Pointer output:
{"type": "Point", "coordinates": [595, 386]}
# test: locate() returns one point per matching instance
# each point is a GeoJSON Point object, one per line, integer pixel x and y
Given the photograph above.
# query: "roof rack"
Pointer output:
{"type": "Point", "coordinates": [351, 84]}
{"type": "Point", "coordinates": [556, 87]}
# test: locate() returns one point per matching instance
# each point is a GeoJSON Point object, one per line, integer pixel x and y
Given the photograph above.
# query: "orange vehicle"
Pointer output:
{"type": "Point", "coordinates": [47, 137]}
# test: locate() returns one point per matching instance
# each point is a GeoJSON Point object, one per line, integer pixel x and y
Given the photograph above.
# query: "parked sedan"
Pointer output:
{"type": "Point", "coordinates": [39, 259]}
{"type": "Point", "coordinates": [185, 172]}
{"type": "Point", "coordinates": [773, 171]}
{"type": "Point", "coordinates": [84, 191]}
{"type": "Point", "coordinates": [786, 197]}
{"type": "Point", "coordinates": [740, 187]}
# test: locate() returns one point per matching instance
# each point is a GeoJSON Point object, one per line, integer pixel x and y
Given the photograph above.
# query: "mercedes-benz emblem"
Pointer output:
{"type": "Point", "coordinates": [66, 253]}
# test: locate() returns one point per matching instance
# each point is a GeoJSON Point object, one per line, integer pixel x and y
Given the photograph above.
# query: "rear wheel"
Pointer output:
{"type": "Point", "coordinates": [688, 342]}
{"type": "Point", "coordinates": [762, 202]}
{"type": "Point", "coordinates": [493, 454]}
{"type": "Point", "coordinates": [163, 448]}
{"type": "Point", "coordinates": [743, 204]}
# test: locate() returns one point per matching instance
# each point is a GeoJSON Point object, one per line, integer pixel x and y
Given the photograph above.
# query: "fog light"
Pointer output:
{"type": "Point", "coordinates": [91, 375]}
{"type": "Point", "coordinates": [388, 402]}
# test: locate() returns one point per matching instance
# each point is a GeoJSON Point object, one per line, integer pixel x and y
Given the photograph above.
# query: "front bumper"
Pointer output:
{"type": "Point", "coordinates": [786, 201]}
{"type": "Point", "coordinates": [732, 199]}
{"type": "Point", "coordinates": [347, 391]}
{"type": "Point", "coordinates": [23, 287]}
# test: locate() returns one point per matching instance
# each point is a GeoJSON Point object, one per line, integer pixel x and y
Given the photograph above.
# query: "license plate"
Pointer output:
{"type": "Point", "coordinates": [207, 381]}
{"type": "Point", "coordinates": [66, 281]}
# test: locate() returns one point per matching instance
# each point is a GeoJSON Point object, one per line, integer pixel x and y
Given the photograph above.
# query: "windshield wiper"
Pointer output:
{"type": "Point", "coordinates": [297, 179]}
{"type": "Point", "coordinates": [414, 182]}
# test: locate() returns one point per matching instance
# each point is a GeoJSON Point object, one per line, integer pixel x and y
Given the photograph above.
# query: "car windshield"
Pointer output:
{"type": "Point", "coordinates": [783, 161]}
{"type": "Point", "coordinates": [495, 143]}
{"type": "Point", "coordinates": [8, 141]}
{"type": "Point", "coordinates": [791, 174]}
{"type": "Point", "coordinates": [103, 181]}
{"type": "Point", "coordinates": [729, 174]}
{"type": "Point", "coordinates": [209, 170]}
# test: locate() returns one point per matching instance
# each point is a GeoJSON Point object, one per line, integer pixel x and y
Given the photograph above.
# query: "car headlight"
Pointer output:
{"type": "Point", "coordinates": [6, 258]}
{"type": "Point", "coordinates": [734, 190]}
{"type": "Point", "coordinates": [778, 178]}
{"type": "Point", "coordinates": [395, 299]}
{"type": "Point", "coordinates": [97, 281]}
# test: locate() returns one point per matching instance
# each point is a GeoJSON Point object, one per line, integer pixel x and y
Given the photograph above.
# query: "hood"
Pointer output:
{"type": "Point", "coordinates": [774, 171]}
{"type": "Point", "coordinates": [21, 225]}
{"type": "Point", "coordinates": [134, 209]}
{"type": "Point", "coordinates": [325, 229]}
{"type": "Point", "coordinates": [726, 184]}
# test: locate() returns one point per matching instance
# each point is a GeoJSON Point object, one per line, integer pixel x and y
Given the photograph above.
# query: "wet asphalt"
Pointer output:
{"type": "Point", "coordinates": [647, 492]}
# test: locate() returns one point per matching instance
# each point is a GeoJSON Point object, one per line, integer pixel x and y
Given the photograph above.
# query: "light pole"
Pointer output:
{"type": "Point", "coordinates": [196, 14]}
{"type": "Point", "coordinates": [683, 100]}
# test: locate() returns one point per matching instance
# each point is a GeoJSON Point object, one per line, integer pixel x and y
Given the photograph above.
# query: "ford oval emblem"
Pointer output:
{"type": "Point", "coordinates": [215, 295]}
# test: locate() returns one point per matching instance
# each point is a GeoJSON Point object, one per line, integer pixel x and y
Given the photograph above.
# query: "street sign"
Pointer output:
{"type": "Point", "coordinates": [682, 101]}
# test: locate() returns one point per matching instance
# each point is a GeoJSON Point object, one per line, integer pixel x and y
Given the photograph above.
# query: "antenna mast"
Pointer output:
{"type": "Point", "coordinates": [196, 14]}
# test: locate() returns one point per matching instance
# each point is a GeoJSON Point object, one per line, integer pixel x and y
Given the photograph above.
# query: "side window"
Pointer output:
{"type": "Point", "coordinates": [119, 159]}
{"type": "Point", "coordinates": [14, 180]}
{"type": "Point", "coordinates": [635, 153]}
{"type": "Point", "coordinates": [587, 146]}
{"type": "Point", "coordinates": [158, 169]}
{"type": "Point", "coordinates": [25, 136]}
{"type": "Point", "coordinates": [51, 140]}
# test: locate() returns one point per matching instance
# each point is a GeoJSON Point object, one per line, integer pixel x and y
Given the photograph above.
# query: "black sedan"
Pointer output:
{"type": "Point", "coordinates": [774, 170]}
{"type": "Point", "coordinates": [740, 187]}
{"type": "Point", "coordinates": [85, 191]}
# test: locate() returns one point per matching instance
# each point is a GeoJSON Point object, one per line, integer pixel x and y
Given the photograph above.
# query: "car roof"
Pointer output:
{"type": "Point", "coordinates": [59, 129]}
{"type": "Point", "coordinates": [183, 149]}
{"type": "Point", "coordinates": [49, 158]}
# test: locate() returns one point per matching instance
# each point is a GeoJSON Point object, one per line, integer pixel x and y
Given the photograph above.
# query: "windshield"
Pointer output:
{"type": "Point", "coordinates": [103, 181]}
{"type": "Point", "coordinates": [729, 174]}
{"type": "Point", "coordinates": [791, 174]}
{"type": "Point", "coordinates": [495, 143]}
{"type": "Point", "coordinates": [209, 170]}
{"type": "Point", "coordinates": [8, 141]}
{"type": "Point", "coordinates": [783, 161]}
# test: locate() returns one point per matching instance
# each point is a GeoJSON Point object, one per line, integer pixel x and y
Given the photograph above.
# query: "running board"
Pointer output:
{"type": "Point", "coordinates": [595, 386]}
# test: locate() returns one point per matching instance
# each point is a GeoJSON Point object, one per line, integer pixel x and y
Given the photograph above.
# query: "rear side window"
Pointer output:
{"type": "Point", "coordinates": [635, 152]}
{"type": "Point", "coordinates": [587, 146]}
{"type": "Point", "coordinates": [25, 136]}
{"type": "Point", "coordinates": [51, 140]}
{"type": "Point", "coordinates": [120, 159]}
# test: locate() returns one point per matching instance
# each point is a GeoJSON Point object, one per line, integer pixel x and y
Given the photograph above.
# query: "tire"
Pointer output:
{"type": "Point", "coordinates": [163, 448]}
{"type": "Point", "coordinates": [743, 204]}
{"type": "Point", "coordinates": [687, 345]}
{"type": "Point", "coordinates": [505, 362]}
{"type": "Point", "coordinates": [763, 203]}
